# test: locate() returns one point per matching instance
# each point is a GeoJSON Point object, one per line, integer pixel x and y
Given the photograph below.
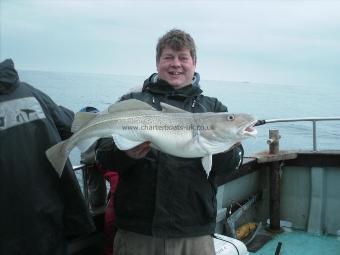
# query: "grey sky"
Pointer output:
{"type": "Point", "coordinates": [292, 42]}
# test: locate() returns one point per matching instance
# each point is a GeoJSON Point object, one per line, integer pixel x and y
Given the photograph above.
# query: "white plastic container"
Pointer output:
{"type": "Point", "coordinates": [229, 246]}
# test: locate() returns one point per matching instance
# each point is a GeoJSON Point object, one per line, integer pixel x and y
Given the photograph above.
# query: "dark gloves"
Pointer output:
{"type": "Point", "coordinates": [226, 162]}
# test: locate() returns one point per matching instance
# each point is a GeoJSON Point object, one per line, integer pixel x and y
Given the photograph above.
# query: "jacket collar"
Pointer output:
{"type": "Point", "coordinates": [157, 86]}
{"type": "Point", "coordinates": [9, 79]}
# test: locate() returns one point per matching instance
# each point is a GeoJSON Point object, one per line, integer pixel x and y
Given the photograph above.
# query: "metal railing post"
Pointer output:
{"type": "Point", "coordinates": [314, 136]}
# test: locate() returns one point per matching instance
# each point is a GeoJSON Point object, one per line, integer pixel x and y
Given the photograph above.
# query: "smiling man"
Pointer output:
{"type": "Point", "coordinates": [166, 204]}
{"type": "Point", "coordinates": [176, 64]}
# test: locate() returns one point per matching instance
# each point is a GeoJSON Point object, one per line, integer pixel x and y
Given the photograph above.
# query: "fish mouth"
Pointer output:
{"type": "Point", "coordinates": [249, 130]}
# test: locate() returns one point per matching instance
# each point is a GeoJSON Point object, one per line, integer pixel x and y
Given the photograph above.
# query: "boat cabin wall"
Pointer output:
{"type": "Point", "coordinates": [309, 192]}
{"type": "Point", "coordinates": [310, 198]}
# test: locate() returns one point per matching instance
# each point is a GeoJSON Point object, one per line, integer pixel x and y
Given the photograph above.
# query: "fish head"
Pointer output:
{"type": "Point", "coordinates": [233, 127]}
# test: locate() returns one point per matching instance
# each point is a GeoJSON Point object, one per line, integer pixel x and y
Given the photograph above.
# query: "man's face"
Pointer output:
{"type": "Point", "coordinates": [176, 67]}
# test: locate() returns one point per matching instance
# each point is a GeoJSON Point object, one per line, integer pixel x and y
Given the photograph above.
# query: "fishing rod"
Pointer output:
{"type": "Point", "coordinates": [313, 119]}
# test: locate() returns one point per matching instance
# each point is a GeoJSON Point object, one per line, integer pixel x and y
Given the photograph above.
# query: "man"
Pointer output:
{"type": "Point", "coordinates": [39, 210]}
{"type": "Point", "coordinates": [166, 204]}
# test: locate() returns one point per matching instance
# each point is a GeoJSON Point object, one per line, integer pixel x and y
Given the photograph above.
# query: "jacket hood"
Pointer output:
{"type": "Point", "coordinates": [158, 86]}
{"type": "Point", "coordinates": [9, 78]}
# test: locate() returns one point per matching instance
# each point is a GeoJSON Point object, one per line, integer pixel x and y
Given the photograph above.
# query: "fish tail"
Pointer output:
{"type": "Point", "coordinates": [57, 155]}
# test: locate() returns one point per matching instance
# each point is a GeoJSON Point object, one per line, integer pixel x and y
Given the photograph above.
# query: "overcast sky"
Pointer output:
{"type": "Point", "coordinates": [286, 42]}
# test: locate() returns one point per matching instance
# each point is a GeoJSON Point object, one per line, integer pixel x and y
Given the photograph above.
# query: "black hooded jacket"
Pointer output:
{"type": "Point", "coordinates": [164, 195]}
{"type": "Point", "coordinates": [39, 210]}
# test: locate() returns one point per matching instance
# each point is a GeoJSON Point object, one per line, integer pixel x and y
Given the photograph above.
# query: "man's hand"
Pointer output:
{"type": "Point", "coordinates": [139, 151]}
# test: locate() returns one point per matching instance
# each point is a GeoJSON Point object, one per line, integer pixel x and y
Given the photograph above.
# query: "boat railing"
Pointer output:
{"type": "Point", "coordinates": [313, 120]}
{"type": "Point", "coordinates": [84, 172]}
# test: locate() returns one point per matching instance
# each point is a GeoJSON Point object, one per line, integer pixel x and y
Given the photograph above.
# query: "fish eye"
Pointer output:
{"type": "Point", "coordinates": [230, 117]}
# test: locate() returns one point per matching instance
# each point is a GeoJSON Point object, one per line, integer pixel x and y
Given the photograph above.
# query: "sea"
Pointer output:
{"type": "Point", "coordinates": [265, 101]}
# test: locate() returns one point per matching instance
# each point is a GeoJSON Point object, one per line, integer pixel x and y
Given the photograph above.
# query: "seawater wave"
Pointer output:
{"type": "Point", "coordinates": [265, 101]}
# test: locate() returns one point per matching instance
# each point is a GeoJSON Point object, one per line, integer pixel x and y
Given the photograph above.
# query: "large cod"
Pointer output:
{"type": "Point", "coordinates": [172, 130]}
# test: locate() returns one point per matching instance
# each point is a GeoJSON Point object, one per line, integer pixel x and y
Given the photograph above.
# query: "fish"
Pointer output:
{"type": "Point", "coordinates": [172, 130]}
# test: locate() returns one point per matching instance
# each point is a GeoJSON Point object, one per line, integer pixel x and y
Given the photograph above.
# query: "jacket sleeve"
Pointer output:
{"type": "Point", "coordinates": [226, 162]}
{"type": "Point", "coordinates": [62, 117]}
{"type": "Point", "coordinates": [219, 107]}
{"type": "Point", "coordinates": [110, 157]}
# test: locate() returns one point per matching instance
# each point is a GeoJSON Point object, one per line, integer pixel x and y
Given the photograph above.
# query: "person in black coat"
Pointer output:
{"type": "Point", "coordinates": [39, 210]}
{"type": "Point", "coordinates": [166, 204]}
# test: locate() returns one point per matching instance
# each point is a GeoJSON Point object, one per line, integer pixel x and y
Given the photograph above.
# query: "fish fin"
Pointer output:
{"type": "Point", "coordinates": [80, 119]}
{"type": "Point", "coordinates": [57, 157]}
{"type": "Point", "coordinates": [124, 144]}
{"type": "Point", "coordinates": [84, 145]}
{"type": "Point", "coordinates": [207, 164]}
{"type": "Point", "coordinates": [129, 105]}
{"type": "Point", "coordinates": [171, 109]}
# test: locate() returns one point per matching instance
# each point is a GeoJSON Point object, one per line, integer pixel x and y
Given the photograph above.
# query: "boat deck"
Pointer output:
{"type": "Point", "coordinates": [299, 242]}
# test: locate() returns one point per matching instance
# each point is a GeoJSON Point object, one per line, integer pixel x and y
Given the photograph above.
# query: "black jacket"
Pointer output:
{"type": "Point", "coordinates": [39, 210]}
{"type": "Point", "coordinates": [163, 195]}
